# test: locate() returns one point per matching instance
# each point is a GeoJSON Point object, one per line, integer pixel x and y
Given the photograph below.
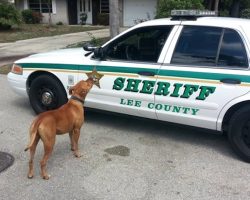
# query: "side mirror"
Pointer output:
{"type": "Point", "coordinates": [99, 53]}
{"type": "Point", "coordinates": [89, 47]}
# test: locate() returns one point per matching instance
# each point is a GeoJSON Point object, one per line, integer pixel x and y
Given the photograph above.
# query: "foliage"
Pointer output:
{"type": "Point", "coordinates": [231, 8]}
{"type": "Point", "coordinates": [103, 18]}
{"type": "Point", "coordinates": [165, 6]}
{"type": "Point", "coordinates": [59, 23]}
{"type": "Point", "coordinates": [31, 17]}
{"type": "Point", "coordinates": [9, 15]}
{"type": "Point", "coordinates": [27, 31]}
{"type": "Point", "coordinates": [224, 13]}
{"type": "Point", "coordinates": [245, 13]}
{"type": "Point", "coordinates": [93, 40]}
{"type": "Point", "coordinates": [138, 21]}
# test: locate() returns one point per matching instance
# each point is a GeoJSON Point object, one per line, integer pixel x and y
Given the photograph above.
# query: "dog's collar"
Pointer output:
{"type": "Point", "coordinates": [77, 99]}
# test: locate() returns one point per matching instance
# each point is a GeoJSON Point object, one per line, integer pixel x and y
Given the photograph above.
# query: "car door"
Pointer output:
{"type": "Point", "coordinates": [206, 68]}
{"type": "Point", "coordinates": [129, 67]}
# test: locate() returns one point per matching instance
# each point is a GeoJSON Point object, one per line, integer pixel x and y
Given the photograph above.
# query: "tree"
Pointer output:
{"type": "Point", "coordinates": [9, 15]}
{"type": "Point", "coordinates": [216, 5]}
{"type": "Point", "coordinates": [114, 22]}
{"type": "Point", "coordinates": [235, 8]}
{"type": "Point", "coordinates": [49, 2]}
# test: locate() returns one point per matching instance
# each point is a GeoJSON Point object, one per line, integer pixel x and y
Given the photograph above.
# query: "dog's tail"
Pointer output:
{"type": "Point", "coordinates": [33, 134]}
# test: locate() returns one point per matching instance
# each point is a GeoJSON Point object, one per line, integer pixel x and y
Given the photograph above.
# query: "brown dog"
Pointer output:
{"type": "Point", "coordinates": [66, 119]}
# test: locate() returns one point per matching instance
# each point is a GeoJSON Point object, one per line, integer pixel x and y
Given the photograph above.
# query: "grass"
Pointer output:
{"type": "Point", "coordinates": [5, 69]}
{"type": "Point", "coordinates": [98, 42]}
{"type": "Point", "coordinates": [28, 31]}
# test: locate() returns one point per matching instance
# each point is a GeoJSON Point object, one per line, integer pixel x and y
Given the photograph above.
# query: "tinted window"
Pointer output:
{"type": "Point", "coordinates": [232, 52]}
{"type": "Point", "coordinates": [143, 44]}
{"type": "Point", "coordinates": [197, 46]}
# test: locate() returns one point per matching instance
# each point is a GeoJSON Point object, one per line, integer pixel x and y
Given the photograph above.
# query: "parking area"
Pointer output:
{"type": "Point", "coordinates": [124, 158]}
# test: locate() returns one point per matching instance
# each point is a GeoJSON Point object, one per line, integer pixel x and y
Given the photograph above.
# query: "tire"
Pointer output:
{"type": "Point", "coordinates": [239, 133]}
{"type": "Point", "coordinates": [46, 93]}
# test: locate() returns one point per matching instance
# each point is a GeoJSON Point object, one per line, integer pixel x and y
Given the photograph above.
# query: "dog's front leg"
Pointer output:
{"type": "Point", "coordinates": [75, 139]}
{"type": "Point", "coordinates": [71, 140]}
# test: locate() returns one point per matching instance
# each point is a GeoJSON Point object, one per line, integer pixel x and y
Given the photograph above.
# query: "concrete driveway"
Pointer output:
{"type": "Point", "coordinates": [124, 159]}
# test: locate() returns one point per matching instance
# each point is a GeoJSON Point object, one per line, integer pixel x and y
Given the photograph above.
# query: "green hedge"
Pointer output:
{"type": "Point", "coordinates": [31, 17]}
{"type": "Point", "coordinates": [245, 13]}
{"type": "Point", "coordinates": [103, 18]}
{"type": "Point", "coordinates": [9, 16]}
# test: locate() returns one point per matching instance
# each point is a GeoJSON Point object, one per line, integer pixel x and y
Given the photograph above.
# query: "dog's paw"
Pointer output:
{"type": "Point", "coordinates": [77, 154]}
{"type": "Point", "coordinates": [30, 176]}
{"type": "Point", "coordinates": [46, 177]}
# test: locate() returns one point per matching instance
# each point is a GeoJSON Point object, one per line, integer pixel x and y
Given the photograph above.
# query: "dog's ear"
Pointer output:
{"type": "Point", "coordinates": [71, 90]}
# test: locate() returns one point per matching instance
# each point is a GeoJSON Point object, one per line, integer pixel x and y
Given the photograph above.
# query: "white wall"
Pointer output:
{"type": "Point", "coordinates": [138, 9]}
{"type": "Point", "coordinates": [60, 12]}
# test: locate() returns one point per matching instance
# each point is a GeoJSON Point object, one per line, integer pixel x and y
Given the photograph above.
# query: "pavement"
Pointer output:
{"type": "Point", "coordinates": [124, 158]}
{"type": "Point", "coordinates": [9, 52]}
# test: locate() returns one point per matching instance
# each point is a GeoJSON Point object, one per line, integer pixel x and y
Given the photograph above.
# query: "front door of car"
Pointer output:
{"type": "Point", "coordinates": [129, 69]}
{"type": "Point", "coordinates": [204, 71]}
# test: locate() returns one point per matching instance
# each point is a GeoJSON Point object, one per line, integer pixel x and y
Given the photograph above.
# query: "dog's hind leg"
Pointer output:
{"type": "Point", "coordinates": [48, 144]}
{"type": "Point", "coordinates": [32, 153]}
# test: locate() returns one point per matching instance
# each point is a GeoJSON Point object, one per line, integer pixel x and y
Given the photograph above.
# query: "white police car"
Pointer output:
{"type": "Point", "coordinates": [188, 69]}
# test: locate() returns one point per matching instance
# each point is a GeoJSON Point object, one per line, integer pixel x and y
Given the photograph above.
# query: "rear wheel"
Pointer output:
{"type": "Point", "coordinates": [46, 93]}
{"type": "Point", "coordinates": [239, 133]}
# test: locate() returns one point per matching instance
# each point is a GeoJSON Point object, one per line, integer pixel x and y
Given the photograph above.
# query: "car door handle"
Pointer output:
{"type": "Point", "coordinates": [230, 81]}
{"type": "Point", "coordinates": [146, 73]}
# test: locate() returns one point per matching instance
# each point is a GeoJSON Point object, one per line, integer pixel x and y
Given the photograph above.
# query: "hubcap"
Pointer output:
{"type": "Point", "coordinates": [47, 98]}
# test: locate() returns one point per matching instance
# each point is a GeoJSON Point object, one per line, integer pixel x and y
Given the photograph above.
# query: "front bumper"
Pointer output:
{"type": "Point", "coordinates": [17, 83]}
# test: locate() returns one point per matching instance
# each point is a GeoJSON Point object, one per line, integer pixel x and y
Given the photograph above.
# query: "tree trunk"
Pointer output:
{"type": "Point", "coordinates": [216, 5]}
{"type": "Point", "coordinates": [235, 8]}
{"type": "Point", "coordinates": [210, 5]}
{"type": "Point", "coordinates": [114, 23]}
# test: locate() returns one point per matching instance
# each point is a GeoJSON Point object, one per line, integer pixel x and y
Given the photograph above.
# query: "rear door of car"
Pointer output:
{"type": "Point", "coordinates": [205, 68]}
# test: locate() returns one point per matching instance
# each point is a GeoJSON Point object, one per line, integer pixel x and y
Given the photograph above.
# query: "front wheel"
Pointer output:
{"type": "Point", "coordinates": [239, 133]}
{"type": "Point", "coordinates": [46, 93]}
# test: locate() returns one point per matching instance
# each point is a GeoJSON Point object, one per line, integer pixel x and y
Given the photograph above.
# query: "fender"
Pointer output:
{"type": "Point", "coordinates": [232, 103]}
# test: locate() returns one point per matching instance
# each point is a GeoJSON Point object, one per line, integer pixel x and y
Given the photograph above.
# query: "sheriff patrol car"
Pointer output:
{"type": "Point", "coordinates": [191, 69]}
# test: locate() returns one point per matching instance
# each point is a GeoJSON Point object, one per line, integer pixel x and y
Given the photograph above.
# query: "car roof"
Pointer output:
{"type": "Point", "coordinates": [208, 21]}
{"type": "Point", "coordinates": [224, 22]}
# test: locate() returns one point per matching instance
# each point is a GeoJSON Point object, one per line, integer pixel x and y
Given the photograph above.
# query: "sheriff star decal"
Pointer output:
{"type": "Point", "coordinates": [95, 76]}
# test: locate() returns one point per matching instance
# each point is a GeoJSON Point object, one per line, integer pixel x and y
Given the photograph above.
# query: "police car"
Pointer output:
{"type": "Point", "coordinates": [192, 69]}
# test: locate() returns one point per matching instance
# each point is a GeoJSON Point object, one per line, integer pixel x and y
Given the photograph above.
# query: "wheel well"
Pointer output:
{"type": "Point", "coordinates": [231, 112]}
{"type": "Point", "coordinates": [35, 74]}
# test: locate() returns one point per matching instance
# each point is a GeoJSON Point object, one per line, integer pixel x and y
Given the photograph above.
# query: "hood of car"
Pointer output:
{"type": "Point", "coordinates": [62, 56]}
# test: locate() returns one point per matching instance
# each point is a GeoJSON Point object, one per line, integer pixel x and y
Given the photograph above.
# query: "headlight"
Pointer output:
{"type": "Point", "coordinates": [16, 69]}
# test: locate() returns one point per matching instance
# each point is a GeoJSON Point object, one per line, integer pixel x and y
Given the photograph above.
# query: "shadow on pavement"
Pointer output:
{"type": "Point", "coordinates": [174, 132]}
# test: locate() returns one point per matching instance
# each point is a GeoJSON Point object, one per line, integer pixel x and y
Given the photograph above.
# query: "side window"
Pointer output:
{"type": "Point", "coordinates": [210, 46]}
{"type": "Point", "coordinates": [143, 44]}
{"type": "Point", "coordinates": [232, 51]}
{"type": "Point", "coordinates": [197, 45]}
